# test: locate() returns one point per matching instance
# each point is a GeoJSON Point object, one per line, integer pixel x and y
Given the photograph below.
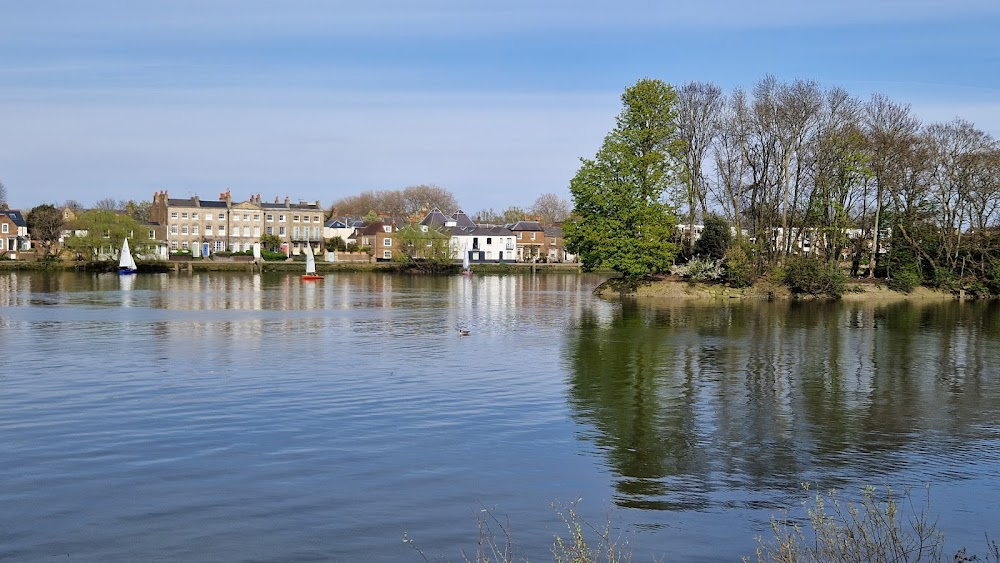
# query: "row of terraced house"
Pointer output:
{"type": "Point", "coordinates": [199, 227]}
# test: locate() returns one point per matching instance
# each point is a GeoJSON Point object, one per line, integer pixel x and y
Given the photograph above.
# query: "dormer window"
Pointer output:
{"type": "Point", "coordinates": [387, 228]}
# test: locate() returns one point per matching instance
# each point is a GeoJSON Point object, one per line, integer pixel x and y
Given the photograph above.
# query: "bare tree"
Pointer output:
{"type": "Point", "coordinates": [3, 193]}
{"type": "Point", "coordinates": [425, 197]}
{"type": "Point", "coordinates": [889, 126]}
{"type": "Point", "coordinates": [699, 108]}
{"type": "Point", "coordinates": [45, 223]}
{"type": "Point", "coordinates": [408, 202]}
{"type": "Point", "coordinates": [108, 204]}
{"type": "Point", "coordinates": [550, 209]}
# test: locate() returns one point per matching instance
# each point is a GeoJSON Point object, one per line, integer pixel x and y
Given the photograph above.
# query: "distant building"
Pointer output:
{"type": "Point", "coordinates": [13, 232]}
{"type": "Point", "coordinates": [235, 227]}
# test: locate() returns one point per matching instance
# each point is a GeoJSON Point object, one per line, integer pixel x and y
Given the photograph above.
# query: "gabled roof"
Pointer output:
{"type": "Point", "coordinates": [335, 224]}
{"type": "Point", "coordinates": [15, 216]}
{"type": "Point", "coordinates": [373, 228]}
{"type": "Point", "coordinates": [462, 220]}
{"type": "Point", "coordinates": [434, 219]}
{"type": "Point", "coordinates": [527, 226]}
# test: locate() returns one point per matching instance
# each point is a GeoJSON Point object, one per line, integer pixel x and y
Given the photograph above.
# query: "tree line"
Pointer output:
{"type": "Point", "coordinates": [790, 166]}
{"type": "Point", "coordinates": [416, 201]}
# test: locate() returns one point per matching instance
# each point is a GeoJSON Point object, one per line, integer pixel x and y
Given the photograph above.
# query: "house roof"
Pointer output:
{"type": "Point", "coordinates": [15, 216]}
{"type": "Point", "coordinates": [527, 226]}
{"type": "Point", "coordinates": [462, 220]}
{"type": "Point", "coordinates": [434, 219]}
{"type": "Point", "coordinates": [553, 231]}
{"type": "Point", "coordinates": [373, 228]}
{"type": "Point", "coordinates": [335, 224]}
{"type": "Point", "coordinates": [190, 202]}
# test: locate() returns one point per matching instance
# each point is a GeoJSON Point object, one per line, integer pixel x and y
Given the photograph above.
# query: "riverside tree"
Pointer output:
{"type": "Point", "coordinates": [45, 223]}
{"type": "Point", "coordinates": [621, 219]}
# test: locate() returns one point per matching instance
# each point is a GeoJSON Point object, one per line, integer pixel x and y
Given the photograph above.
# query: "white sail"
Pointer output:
{"type": "Point", "coordinates": [310, 260]}
{"type": "Point", "coordinates": [125, 261]}
{"type": "Point", "coordinates": [465, 259]}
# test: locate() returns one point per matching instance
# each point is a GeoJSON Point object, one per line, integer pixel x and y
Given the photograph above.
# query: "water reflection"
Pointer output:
{"type": "Point", "coordinates": [684, 400]}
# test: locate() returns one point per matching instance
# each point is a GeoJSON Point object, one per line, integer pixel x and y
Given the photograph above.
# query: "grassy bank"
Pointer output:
{"type": "Point", "coordinates": [673, 288]}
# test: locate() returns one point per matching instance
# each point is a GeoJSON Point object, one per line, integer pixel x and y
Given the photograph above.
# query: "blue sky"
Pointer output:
{"type": "Point", "coordinates": [495, 101]}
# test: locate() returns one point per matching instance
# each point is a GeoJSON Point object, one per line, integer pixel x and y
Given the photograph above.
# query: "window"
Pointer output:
{"type": "Point", "coordinates": [256, 216]}
{"type": "Point", "coordinates": [553, 241]}
{"type": "Point", "coordinates": [387, 228]}
{"type": "Point", "coordinates": [152, 235]}
{"type": "Point", "coordinates": [519, 237]}
{"type": "Point", "coordinates": [316, 219]}
{"type": "Point", "coordinates": [5, 228]}
{"type": "Point", "coordinates": [269, 230]}
{"type": "Point", "coordinates": [387, 242]}
{"type": "Point", "coordinates": [295, 233]}
{"type": "Point", "coordinates": [387, 255]}
{"type": "Point", "coordinates": [256, 231]}
{"type": "Point", "coordinates": [489, 240]}
{"type": "Point", "coordinates": [173, 229]}
{"type": "Point", "coordinates": [246, 231]}
{"type": "Point", "coordinates": [184, 229]}
{"type": "Point", "coordinates": [269, 217]}
{"type": "Point", "coordinates": [194, 229]}
{"type": "Point", "coordinates": [184, 215]}
{"type": "Point", "coordinates": [295, 218]}
{"type": "Point", "coordinates": [281, 231]}
{"type": "Point", "coordinates": [194, 216]}
{"type": "Point", "coordinates": [173, 215]}
{"type": "Point", "coordinates": [222, 229]}
{"type": "Point", "coordinates": [184, 245]}
{"type": "Point", "coordinates": [208, 229]}
{"type": "Point", "coordinates": [281, 218]}
{"type": "Point", "coordinates": [222, 216]}
{"type": "Point", "coordinates": [246, 216]}
{"type": "Point", "coordinates": [236, 217]}
{"type": "Point", "coordinates": [316, 233]}
{"type": "Point", "coordinates": [107, 233]}
{"type": "Point", "coordinates": [173, 245]}
{"type": "Point", "coordinates": [220, 245]}
{"type": "Point", "coordinates": [532, 236]}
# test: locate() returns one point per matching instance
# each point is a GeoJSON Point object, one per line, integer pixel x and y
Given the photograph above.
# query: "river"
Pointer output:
{"type": "Point", "coordinates": [238, 417]}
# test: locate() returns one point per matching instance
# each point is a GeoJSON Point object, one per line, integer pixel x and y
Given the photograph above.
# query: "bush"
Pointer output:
{"type": "Point", "coordinates": [700, 270]}
{"type": "Point", "coordinates": [873, 529]}
{"type": "Point", "coordinates": [714, 239]}
{"type": "Point", "coordinates": [812, 276]}
{"type": "Point", "coordinates": [904, 281]}
{"type": "Point", "coordinates": [740, 270]}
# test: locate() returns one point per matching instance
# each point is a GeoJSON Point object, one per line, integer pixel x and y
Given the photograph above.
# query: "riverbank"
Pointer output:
{"type": "Point", "coordinates": [674, 288]}
{"type": "Point", "coordinates": [291, 266]}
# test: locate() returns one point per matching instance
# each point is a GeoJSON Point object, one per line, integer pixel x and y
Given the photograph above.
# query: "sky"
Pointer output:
{"type": "Point", "coordinates": [495, 101]}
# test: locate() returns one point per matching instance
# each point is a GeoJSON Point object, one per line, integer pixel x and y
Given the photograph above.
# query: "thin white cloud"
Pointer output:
{"type": "Point", "coordinates": [222, 18]}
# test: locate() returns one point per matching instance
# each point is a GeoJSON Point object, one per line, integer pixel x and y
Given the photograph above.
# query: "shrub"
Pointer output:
{"type": "Point", "coordinates": [872, 529]}
{"type": "Point", "coordinates": [700, 269]}
{"type": "Point", "coordinates": [714, 239]}
{"type": "Point", "coordinates": [904, 281]}
{"type": "Point", "coordinates": [740, 270]}
{"type": "Point", "coordinates": [812, 276]}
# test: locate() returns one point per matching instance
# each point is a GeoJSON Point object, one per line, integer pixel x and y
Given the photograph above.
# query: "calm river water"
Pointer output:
{"type": "Point", "coordinates": [238, 417]}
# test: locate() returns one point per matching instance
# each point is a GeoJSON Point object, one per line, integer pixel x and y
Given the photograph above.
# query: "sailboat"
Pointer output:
{"type": "Point", "coordinates": [310, 274]}
{"type": "Point", "coordinates": [465, 263]}
{"type": "Point", "coordinates": [126, 264]}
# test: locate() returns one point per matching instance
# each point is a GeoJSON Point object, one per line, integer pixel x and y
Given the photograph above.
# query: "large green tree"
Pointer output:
{"type": "Point", "coordinates": [99, 234]}
{"type": "Point", "coordinates": [621, 219]}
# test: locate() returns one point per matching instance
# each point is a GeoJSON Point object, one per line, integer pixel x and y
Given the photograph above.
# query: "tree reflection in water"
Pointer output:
{"type": "Point", "coordinates": [697, 404]}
